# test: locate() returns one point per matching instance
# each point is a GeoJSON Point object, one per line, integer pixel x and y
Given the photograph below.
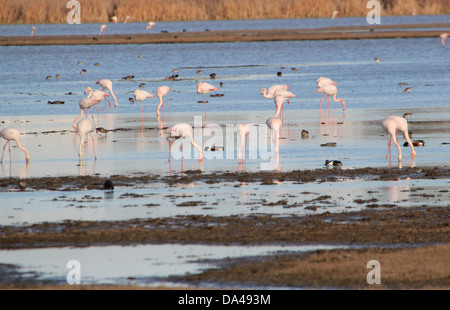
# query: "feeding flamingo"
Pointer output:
{"type": "Point", "coordinates": [107, 84]}
{"type": "Point", "coordinates": [85, 126]}
{"type": "Point", "coordinates": [102, 29]}
{"type": "Point", "coordinates": [162, 91]}
{"type": "Point", "coordinates": [180, 131]}
{"type": "Point", "coordinates": [97, 95]}
{"type": "Point", "coordinates": [141, 95]}
{"type": "Point", "coordinates": [10, 134]}
{"type": "Point", "coordinates": [322, 81]}
{"type": "Point", "coordinates": [243, 130]}
{"type": "Point", "coordinates": [150, 26]}
{"type": "Point", "coordinates": [391, 125]}
{"type": "Point", "coordinates": [204, 88]}
{"type": "Point", "coordinates": [330, 90]}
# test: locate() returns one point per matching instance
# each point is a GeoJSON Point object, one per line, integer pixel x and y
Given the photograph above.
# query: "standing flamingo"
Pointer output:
{"type": "Point", "coordinates": [180, 131]}
{"type": "Point", "coordinates": [10, 134]}
{"type": "Point", "coordinates": [85, 126]}
{"type": "Point", "coordinates": [391, 125]}
{"type": "Point", "coordinates": [274, 124]}
{"type": "Point", "coordinates": [161, 92]}
{"type": "Point", "coordinates": [97, 95]}
{"type": "Point", "coordinates": [204, 88]}
{"type": "Point", "coordinates": [329, 90]}
{"type": "Point", "coordinates": [270, 93]}
{"type": "Point", "coordinates": [85, 103]}
{"type": "Point", "coordinates": [102, 29]}
{"type": "Point", "coordinates": [335, 15]}
{"type": "Point", "coordinates": [444, 37]}
{"type": "Point", "coordinates": [150, 26]}
{"type": "Point", "coordinates": [107, 84]}
{"type": "Point", "coordinates": [322, 81]}
{"type": "Point", "coordinates": [114, 19]}
{"type": "Point", "coordinates": [33, 29]}
{"type": "Point", "coordinates": [126, 19]}
{"type": "Point", "coordinates": [141, 95]}
{"type": "Point", "coordinates": [243, 130]}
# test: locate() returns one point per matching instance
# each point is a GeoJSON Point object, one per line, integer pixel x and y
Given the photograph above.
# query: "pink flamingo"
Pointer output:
{"type": "Point", "coordinates": [335, 15]}
{"type": "Point", "coordinates": [150, 26]}
{"type": "Point", "coordinates": [97, 95]}
{"type": "Point", "coordinates": [391, 125]}
{"type": "Point", "coordinates": [204, 88]}
{"type": "Point", "coordinates": [274, 124]}
{"type": "Point", "coordinates": [243, 130]}
{"type": "Point", "coordinates": [33, 29]}
{"type": "Point", "coordinates": [180, 131]}
{"type": "Point", "coordinates": [270, 93]}
{"type": "Point", "coordinates": [141, 95]}
{"type": "Point", "coordinates": [102, 29]}
{"type": "Point", "coordinates": [322, 81]}
{"type": "Point", "coordinates": [85, 103]}
{"type": "Point", "coordinates": [10, 134]}
{"type": "Point", "coordinates": [444, 37]}
{"type": "Point", "coordinates": [114, 19]}
{"type": "Point", "coordinates": [107, 84]}
{"type": "Point", "coordinates": [126, 19]}
{"type": "Point", "coordinates": [329, 90]}
{"type": "Point", "coordinates": [162, 91]}
{"type": "Point", "coordinates": [85, 126]}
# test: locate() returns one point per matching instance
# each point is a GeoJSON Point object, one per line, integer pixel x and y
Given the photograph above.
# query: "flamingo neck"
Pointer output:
{"type": "Point", "coordinates": [197, 147]}
{"type": "Point", "coordinates": [27, 156]}
{"type": "Point", "coordinates": [159, 105]}
{"type": "Point", "coordinates": [115, 99]}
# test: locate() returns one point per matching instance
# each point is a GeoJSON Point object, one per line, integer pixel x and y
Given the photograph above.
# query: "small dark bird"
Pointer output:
{"type": "Point", "coordinates": [402, 84]}
{"type": "Point", "coordinates": [407, 89]}
{"type": "Point", "coordinates": [48, 77]}
{"type": "Point", "coordinates": [377, 60]}
{"type": "Point", "coordinates": [131, 100]}
{"type": "Point", "coordinates": [415, 143]}
{"type": "Point", "coordinates": [142, 85]}
{"type": "Point", "coordinates": [305, 134]}
{"type": "Point", "coordinates": [199, 71]}
{"type": "Point", "coordinates": [83, 71]}
{"type": "Point", "coordinates": [102, 130]}
{"type": "Point", "coordinates": [212, 75]}
{"type": "Point", "coordinates": [279, 73]}
{"type": "Point", "coordinates": [407, 114]}
{"type": "Point", "coordinates": [55, 102]}
{"type": "Point", "coordinates": [108, 185]}
{"type": "Point", "coordinates": [79, 63]}
{"type": "Point", "coordinates": [96, 64]}
{"type": "Point", "coordinates": [329, 144]}
{"type": "Point", "coordinates": [294, 69]}
{"type": "Point", "coordinates": [58, 76]}
{"type": "Point", "coordinates": [333, 163]}
{"type": "Point", "coordinates": [221, 84]}
{"type": "Point", "coordinates": [172, 77]}
{"type": "Point", "coordinates": [22, 185]}
{"type": "Point", "coordinates": [128, 77]}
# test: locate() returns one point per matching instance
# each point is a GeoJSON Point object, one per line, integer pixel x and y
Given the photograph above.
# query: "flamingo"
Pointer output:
{"type": "Point", "coordinates": [204, 88]}
{"type": "Point", "coordinates": [274, 124]}
{"type": "Point", "coordinates": [126, 19]}
{"type": "Point", "coordinates": [114, 19]}
{"type": "Point", "coordinates": [329, 90]}
{"type": "Point", "coordinates": [444, 37]}
{"type": "Point", "coordinates": [391, 125]}
{"type": "Point", "coordinates": [10, 134]}
{"type": "Point", "coordinates": [141, 95]}
{"type": "Point", "coordinates": [160, 92]}
{"type": "Point", "coordinates": [150, 26]}
{"type": "Point", "coordinates": [322, 81]}
{"type": "Point", "coordinates": [85, 103]}
{"type": "Point", "coordinates": [335, 14]}
{"type": "Point", "coordinates": [180, 131]}
{"type": "Point", "coordinates": [102, 29]}
{"type": "Point", "coordinates": [85, 126]}
{"type": "Point", "coordinates": [270, 93]}
{"type": "Point", "coordinates": [33, 29]}
{"type": "Point", "coordinates": [97, 95]}
{"type": "Point", "coordinates": [107, 84]}
{"type": "Point", "coordinates": [243, 130]}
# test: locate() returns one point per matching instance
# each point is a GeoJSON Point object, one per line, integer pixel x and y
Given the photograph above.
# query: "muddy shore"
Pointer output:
{"type": "Point", "coordinates": [411, 243]}
{"type": "Point", "coordinates": [207, 36]}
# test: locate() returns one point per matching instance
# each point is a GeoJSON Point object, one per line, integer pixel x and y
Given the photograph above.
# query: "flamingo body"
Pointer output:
{"type": "Point", "coordinates": [270, 93]}
{"type": "Point", "coordinates": [10, 134]}
{"type": "Point", "coordinates": [330, 90]}
{"type": "Point", "coordinates": [274, 124]}
{"type": "Point", "coordinates": [391, 125]}
{"type": "Point", "coordinates": [85, 126]}
{"type": "Point", "coordinates": [107, 84]}
{"type": "Point", "coordinates": [180, 131]}
{"type": "Point", "coordinates": [444, 37]}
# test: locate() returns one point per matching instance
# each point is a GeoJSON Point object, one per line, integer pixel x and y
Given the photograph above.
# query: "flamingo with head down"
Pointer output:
{"type": "Point", "coordinates": [391, 125]}
{"type": "Point", "coordinates": [107, 84]}
{"type": "Point", "coordinates": [330, 90]}
{"type": "Point", "coordinates": [10, 134]}
{"type": "Point", "coordinates": [180, 131]}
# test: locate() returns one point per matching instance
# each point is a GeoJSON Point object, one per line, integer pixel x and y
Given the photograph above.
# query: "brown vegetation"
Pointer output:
{"type": "Point", "coordinates": [100, 11]}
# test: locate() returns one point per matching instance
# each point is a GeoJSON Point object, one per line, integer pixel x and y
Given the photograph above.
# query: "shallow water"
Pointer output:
{"type": "Point", "coordinates": [371, 90]}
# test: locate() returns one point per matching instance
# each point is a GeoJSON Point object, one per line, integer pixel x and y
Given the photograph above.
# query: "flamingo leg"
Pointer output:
{"type": "Point", "coordinates": [93, 145]}
{"type": "Point", "coordinates": [142, 116]}
{"type": "Point", "coordinates": [167, 100]}
{"type": "Point", "coordinates": [92, 116]}
{"type": "Point", "coordinates": [4, 150]}
{"type": "Point", "coordinates": [205, 107]}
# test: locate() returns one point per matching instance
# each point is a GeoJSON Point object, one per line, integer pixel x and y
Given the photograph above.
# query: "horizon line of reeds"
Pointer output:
{"type": "Point", "coordinates": [101, 11]}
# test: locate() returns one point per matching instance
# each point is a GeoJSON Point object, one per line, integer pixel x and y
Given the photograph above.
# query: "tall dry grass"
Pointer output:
{"type": "Point", "coordinates": [100, 11]}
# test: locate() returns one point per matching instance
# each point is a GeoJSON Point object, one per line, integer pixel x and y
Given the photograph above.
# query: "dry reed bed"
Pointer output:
{"type": "Point", "coordinates": [101, 11]}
